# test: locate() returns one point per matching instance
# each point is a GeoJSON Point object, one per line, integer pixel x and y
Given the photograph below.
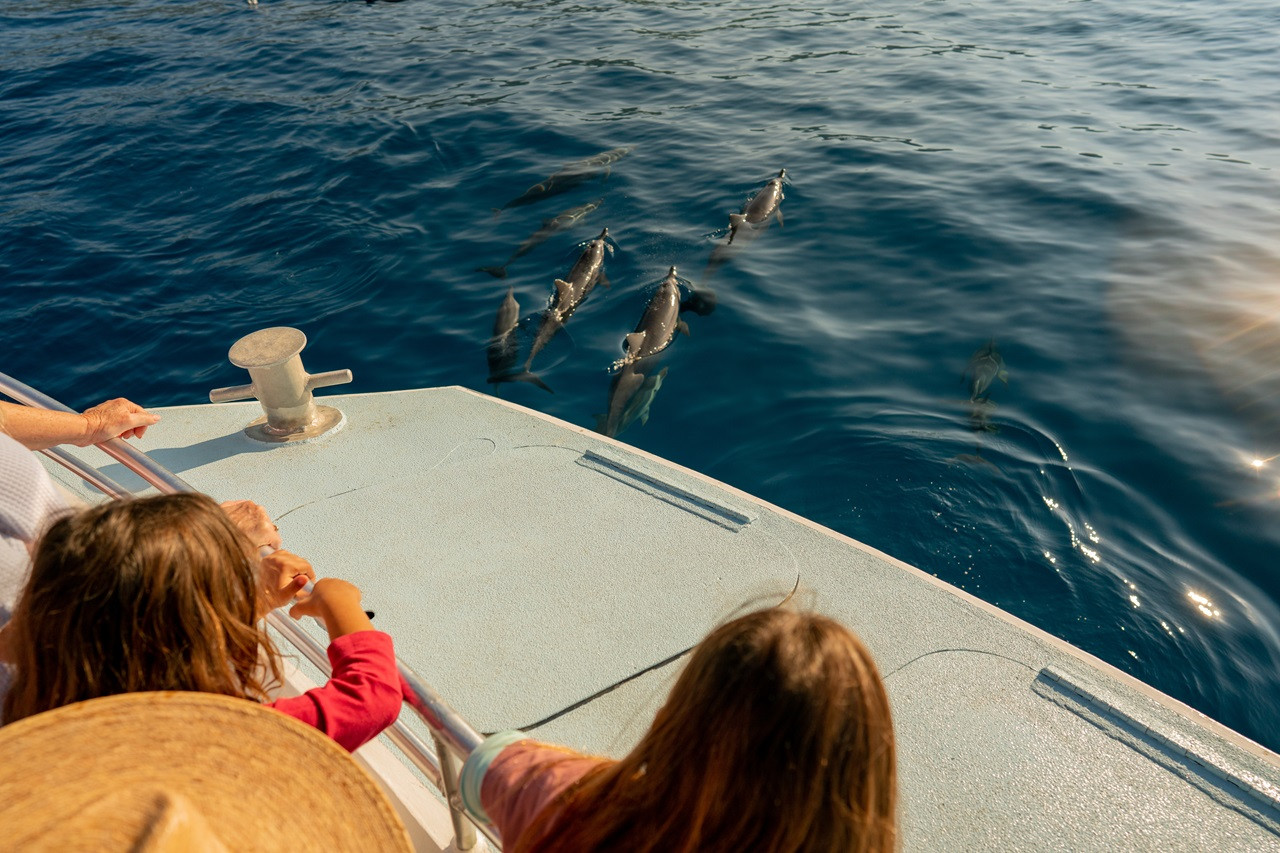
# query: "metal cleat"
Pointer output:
{"type": "Point", "coordinates": [282, 387]}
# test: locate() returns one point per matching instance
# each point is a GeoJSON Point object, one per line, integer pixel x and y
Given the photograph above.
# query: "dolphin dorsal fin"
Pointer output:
{"type": "Point", "coordinates": [564, 292]}
{"type": "Point", "coordinates": [632, 342]}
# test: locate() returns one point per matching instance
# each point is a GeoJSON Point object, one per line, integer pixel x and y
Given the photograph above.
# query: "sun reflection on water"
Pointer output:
{"type": "Point", "coordinates": [1204, 605]}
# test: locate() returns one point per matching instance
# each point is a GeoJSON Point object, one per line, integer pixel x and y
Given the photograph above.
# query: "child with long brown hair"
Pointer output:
{"type": "Point", "coordinates": [167, 593]}
{"type": "Point", "coordinates": [776, 737]}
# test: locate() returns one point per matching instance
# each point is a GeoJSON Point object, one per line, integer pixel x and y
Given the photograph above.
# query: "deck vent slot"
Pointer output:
{"type": "Point", "coordinates": [1219, 770]}
{"type": "Point", "coordinates": [713, 511]}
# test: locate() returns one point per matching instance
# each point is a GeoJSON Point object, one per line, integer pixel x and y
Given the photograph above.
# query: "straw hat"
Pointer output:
{"type": "Point", "coordinates": [184, 771]}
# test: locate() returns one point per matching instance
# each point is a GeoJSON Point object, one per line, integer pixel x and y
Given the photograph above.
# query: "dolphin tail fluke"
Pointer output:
{"type": "Point", "coordinates": [700, 302]}
{"type": "Point", "coordinates": [523, 376]}
{"type": "Point", "coordinates": [533, 379]}
{"type": "Point", "coordinates": [496, 272]}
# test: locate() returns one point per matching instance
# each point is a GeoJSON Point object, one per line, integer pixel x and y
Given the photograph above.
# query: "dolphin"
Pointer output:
{"type": "Point", "coordinates": [630, 395]}
{"type": "Point", "coordinates": [561, 221]}
{"type": "Point", "coordinates": [660, 321]}
{"type": "Point", "coordinates": [985, 366]}
{"type": "Point", "coordinates": [586, 272]}
{"type": "Point", "coordinates": [761, 206]}
{"type": "Point", "coordinates": [503, 346]}
{"type": "Point", "coordinates": [632, 389]}
{"type": "Point", "coordinates": [568, 177]}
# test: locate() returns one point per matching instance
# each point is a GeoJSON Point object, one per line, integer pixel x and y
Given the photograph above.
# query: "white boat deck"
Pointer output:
{"type": "Point", "coordinates": [522, 564]}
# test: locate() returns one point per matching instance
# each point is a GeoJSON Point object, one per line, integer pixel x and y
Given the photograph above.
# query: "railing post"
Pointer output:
{"type": "Point", "coordinates": [464, 834]}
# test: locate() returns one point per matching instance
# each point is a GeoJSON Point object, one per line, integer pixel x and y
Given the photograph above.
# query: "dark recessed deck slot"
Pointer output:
{"type": "Point", "coordinates": [704, 507]}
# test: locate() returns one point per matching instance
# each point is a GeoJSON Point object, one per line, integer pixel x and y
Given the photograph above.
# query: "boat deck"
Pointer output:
{"type": "Point", "coordinates": [522, 564]}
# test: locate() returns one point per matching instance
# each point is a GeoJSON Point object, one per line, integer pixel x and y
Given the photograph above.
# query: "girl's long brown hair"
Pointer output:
{"type": "Point", "coordinates": [776, 737]}
{"type": "Point", "coordinates": [155, 593]}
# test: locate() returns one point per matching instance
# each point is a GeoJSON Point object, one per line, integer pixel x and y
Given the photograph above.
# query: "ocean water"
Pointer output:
{"type": "Point", "coordinates": [1090, 185]}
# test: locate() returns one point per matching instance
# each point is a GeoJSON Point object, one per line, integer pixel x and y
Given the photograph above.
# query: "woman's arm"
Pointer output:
{"type": "Point", "coordinates": [37, 429]}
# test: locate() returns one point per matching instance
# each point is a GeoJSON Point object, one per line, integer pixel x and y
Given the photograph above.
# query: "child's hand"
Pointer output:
{"type": "Point", "coordinates": [336, 603]}
{"type": "Point", "coordinates": [282, 575]}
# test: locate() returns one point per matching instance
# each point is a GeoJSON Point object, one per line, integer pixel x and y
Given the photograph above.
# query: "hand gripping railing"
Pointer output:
{"type": "Point", "coordinates": [454, 737]}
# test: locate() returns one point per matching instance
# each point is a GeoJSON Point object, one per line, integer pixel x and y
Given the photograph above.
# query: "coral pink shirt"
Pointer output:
{"type": "Point", "coordinates": [526, 778]}
{"type": "Point", "coordinates": [361, 698]}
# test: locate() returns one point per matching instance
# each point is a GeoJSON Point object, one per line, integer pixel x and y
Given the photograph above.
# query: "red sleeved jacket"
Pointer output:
{"type": "Point", "coordinates": [361, 698]}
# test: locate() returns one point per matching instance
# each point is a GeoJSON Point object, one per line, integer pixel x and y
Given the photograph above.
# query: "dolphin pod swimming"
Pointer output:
{"type": "Point", "coordinates": [637, 378]}
{"type": "Point", "coordinates": [586, 273]}
{"type": "Point", "coordinates": [561, 221]}
{"type": "Point", "coordinates": [568, 177]}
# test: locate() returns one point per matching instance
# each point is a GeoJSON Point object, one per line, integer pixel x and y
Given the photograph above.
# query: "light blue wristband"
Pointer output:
{"type": "Point", "coordinates": [477, 765]}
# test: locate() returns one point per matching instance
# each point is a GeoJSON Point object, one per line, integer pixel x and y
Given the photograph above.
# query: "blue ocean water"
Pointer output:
{"type": "Point", "coordinates": [1089, 184]}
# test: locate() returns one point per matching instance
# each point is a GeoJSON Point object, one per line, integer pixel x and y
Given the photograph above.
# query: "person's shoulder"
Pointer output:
{"type": "Point", "coordinates": [533, 754]}
{"type": "Point", "coordinates": [28, 496]}
{"type": "Point", "coordinates": [19, 465]}
{"type": "Point", "coordinates": [11, 449]}
{"type": "Point", "coordinates": [526, 777]}
{"type": "Point", "coordinates": [538, 772]}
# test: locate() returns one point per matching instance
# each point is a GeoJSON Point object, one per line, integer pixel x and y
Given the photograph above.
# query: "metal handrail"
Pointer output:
{"type": "Point", "coordinates": [86, 472]}
{"type": "Point", "coordinates": [454, 737]}
{"type": "Point", "coordinates": [123, 452]}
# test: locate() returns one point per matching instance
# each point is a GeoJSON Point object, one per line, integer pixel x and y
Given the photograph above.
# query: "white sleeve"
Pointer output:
{"type": "Point", "coordinates": [29, 500]}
